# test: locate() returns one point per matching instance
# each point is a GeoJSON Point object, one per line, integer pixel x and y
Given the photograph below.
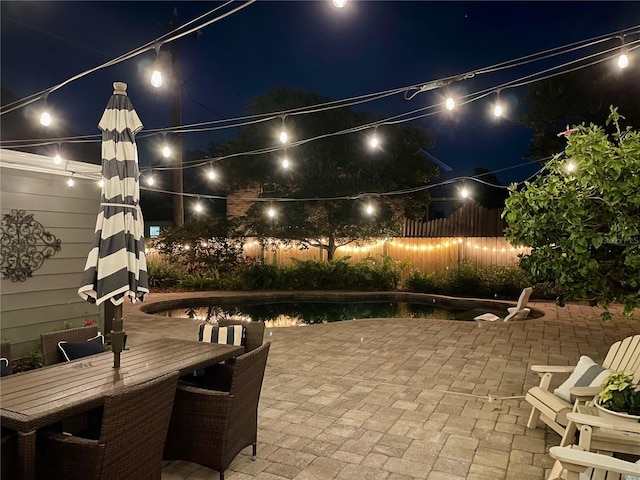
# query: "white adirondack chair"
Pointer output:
{"type": "Point", "coordinates": [552, 410]}
{"type": "Point", "coordinates": [576, 461]}
{"type": "Point", "coordinates": [514, 313]}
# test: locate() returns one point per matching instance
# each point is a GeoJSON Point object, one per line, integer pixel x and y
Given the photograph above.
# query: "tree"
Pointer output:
{"type": "Point", "coordinates": [583, 225]}
{"type": "Point", "coordinates": [484, 193]}
{"type": "Point", "coordinates": [335, 166]}
{"type": "Point", "coordinates": [578, 97]}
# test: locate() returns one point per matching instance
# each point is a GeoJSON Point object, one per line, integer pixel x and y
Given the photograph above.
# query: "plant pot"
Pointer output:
{"type": "Point", "coordinates": [616, 417]}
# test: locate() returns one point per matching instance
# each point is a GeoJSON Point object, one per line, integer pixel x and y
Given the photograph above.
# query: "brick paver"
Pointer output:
{"type": "Point", "coordinates": [395, 399]}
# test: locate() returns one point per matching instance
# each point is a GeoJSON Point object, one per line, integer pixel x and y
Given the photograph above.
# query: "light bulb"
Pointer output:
{"type": "Point", "coordinates": [283, 136]}
{"type": "Point", "coordinates": [369, 209]}
{"type": "Point", "coordinates": [166, 151]}
{"type": "Point", "coordinates": [101, 183]}
{"type": "Point", "coordinates": [198, 207]}
{"type": "Point", "coordinates": [70, 182]}
{"type": "Point", "coordinates": [212, 174]}
{"type": "Point", "coordinates": [271, 212]}
{"type": "Point", "coordinates": [45, 119]}
{"type": "Point", "coordinates": [339, 3]}
{"type": "Point", "coordinates": [571, 167]}
{"type": "Point", "coordinates": [623, 60]}
{"type": "Point", "coordinates": [156, 78]}
{"type": "Point", "coordinates": [150, 180]}
{"type": "Point", "coordinates": [57, 159]}
{"type": "Point", "coordinates": [464, 193]}
{"type": "Point", "coordinates": [497, 110]}
{"type": "Point", "coordinates": [373, 142]}
{"type": "Point", "coordinates": [285, 162]}
{"type": "Point", "coordinates": [450, 104]}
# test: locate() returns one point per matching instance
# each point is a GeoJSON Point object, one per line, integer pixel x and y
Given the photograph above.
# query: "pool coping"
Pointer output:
{"type": "Point", "coordinates": [276, 296]}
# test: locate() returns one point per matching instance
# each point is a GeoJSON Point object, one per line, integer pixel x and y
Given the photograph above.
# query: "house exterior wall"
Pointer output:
{"type": "Point", "coordinates": [48, 299]}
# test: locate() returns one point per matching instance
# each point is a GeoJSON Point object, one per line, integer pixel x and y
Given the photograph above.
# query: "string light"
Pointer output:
{"type": "Point", "coordinates": [370, 97]}
{"type": "Point", "coordinates": [374, 142]}
{"type": "Point", "coordinates": [57, 159]}
{"type": "Point", "coordinates": [212, 173]}
{"type": "Point", "coordinates": [198, 207]}
{"type": "Point", "coordinates": [623, 59]}
{"type": "Point", "coordinates": [45, 116]}
{"type": "Point", "coordinates": [166, 149]}
{"type": "Point", "coordinates": [285, 162]}
{"type": "Point", "coordinates": [450, 103]}
{"type": "Point", "coordinates": [370, 209]}
{"type": "Point", "coordinates": [101, 183]}
{"type": "Point", "coordinates": [271, 212]}
{"type": "Point", "coordinates": [571, 167]}
{"type": "Point", "coordinates": [339, 3]}
{"type": "Point", "coordinates": [71, 182]}
{"type": "Point", "coordinates": [150, 179]}
{"type": "Point", "coordinates": [464, 193]}
{"type": "Point", "coordinates": [156, 75]}
{"type": "Point", "coordinates": [284, 138]}
{"type": "Point", "coordinates": [497, 108]}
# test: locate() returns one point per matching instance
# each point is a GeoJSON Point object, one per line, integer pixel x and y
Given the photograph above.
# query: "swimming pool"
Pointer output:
{"type": "Point", "coordinates": [279, 309]}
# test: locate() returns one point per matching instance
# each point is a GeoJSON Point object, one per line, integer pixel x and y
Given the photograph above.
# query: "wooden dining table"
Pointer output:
{"type": "Point", "coordinates": [42, 397]}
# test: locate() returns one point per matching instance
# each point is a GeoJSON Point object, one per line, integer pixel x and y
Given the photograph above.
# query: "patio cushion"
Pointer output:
{"type": "Point", "coordinates": [231, 335]}
{"type": "Point", "coordinates": [586, 374]}
{"type": "Point", "coordinates": [73, 350]}
{"type": "Point", "coordinates": [4, 367]}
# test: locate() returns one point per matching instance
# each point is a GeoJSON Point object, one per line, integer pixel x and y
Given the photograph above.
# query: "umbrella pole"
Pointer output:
{"type": "Point", "coordinates": [117, 336]}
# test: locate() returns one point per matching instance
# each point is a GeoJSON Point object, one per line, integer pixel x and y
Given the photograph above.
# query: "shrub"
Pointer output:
{"type": "Point", "coordinates": [501, 281]}
{"type": "Point", "coordinates": [419, 281]}
{"type": "Point", "coordinates": [162, 273]}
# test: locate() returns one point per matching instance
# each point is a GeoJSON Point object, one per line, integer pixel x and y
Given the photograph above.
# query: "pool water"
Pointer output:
{"type": "Point", "coordinates": [308, 313]}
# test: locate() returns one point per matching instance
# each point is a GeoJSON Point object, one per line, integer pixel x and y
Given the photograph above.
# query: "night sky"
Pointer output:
{"type": "Point", "coordinates": [366, 47]}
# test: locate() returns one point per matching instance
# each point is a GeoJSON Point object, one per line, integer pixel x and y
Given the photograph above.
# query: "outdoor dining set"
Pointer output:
{"type": "Point", "coordinates": [170, 399]}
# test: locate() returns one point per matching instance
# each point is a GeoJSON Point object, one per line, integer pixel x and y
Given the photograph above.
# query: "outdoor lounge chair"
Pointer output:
{"type": "Point", "coordinates": [576, 461]}
{"type": "Point", "coordinates": [130, 442]}
{"type": "Point", "coordinates": [552, 410]}
{"type": "Point", "coordinates": [50, 351]}
{"type": "Point", "coordinates": [513, 313]}
{"type": "Point", "coordinates": [210, 427]}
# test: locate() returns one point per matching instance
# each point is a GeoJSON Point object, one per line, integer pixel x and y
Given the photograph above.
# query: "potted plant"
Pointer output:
{"type": "Point", "coordinates": [619, 399]}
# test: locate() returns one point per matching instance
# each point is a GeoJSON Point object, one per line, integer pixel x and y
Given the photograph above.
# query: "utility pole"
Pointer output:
{"type": "Point", "coordinates": [176, 117]}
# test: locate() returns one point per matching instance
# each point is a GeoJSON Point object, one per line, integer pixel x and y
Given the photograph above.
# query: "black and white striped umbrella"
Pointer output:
{"type": "Point", "coordinates": [116, 267]}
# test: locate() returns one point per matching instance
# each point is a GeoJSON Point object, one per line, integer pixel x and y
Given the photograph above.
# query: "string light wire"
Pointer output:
{"type": "Point", "coordinates": [167, 38]}
{"type": "Point", "coordinates": [254, 119]}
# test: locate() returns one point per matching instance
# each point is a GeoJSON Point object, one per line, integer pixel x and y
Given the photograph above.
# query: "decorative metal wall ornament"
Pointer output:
{"type": "Point", "coordinates": [24, 245]}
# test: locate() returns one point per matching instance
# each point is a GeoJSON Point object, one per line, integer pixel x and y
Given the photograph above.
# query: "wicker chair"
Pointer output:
{"type": "Point", "coordinates": [50, 351]}
{"type": "Point", "coordinates": [209, 427]}
{"type": "Point", "coordinates": [9, 454]}
{"type": "Point", "coordinates": [9, 446]}
{"type": "Point", "coordinates": [254, 332]}
{"type": "Point", "coordinates": [5, 352]}
{"type": "Point", "coordinates": [218, 377]}
{"type": "Point", "coordinates": [130, 442]}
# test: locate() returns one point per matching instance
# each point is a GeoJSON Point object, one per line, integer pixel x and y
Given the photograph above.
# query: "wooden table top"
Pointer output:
{"type": "Point", "coordinates": [40, 397]}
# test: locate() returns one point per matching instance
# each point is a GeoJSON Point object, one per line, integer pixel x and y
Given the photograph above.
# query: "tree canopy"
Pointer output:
{"type": "Point", "coordinates": [579, 97]}
{"type": "Point", "coordinates": [581, 218]}
{"type": "Point", "coordinates": [338, 175]}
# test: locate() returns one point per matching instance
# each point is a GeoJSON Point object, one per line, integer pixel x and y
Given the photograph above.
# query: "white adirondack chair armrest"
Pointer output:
{"type": "Point", "coordinates": [552, 368]}
{"type": "Point", "coordinates": [585, 393]}
{"type": "Point", "coordinates": [568, 455]}
{"type": "Point", "coordinates": [601, 422]}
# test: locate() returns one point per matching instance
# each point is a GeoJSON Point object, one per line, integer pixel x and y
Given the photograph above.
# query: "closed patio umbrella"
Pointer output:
{"type": "Point", "coordinates": [116, 266]}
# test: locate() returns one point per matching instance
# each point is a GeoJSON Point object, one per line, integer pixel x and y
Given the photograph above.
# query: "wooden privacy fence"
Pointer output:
{"type": "Point", "coordinates": [428, 254]}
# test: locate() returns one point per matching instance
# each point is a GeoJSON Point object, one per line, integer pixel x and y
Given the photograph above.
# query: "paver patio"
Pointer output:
{"type": "Point", "coordinates": [401, 399]}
